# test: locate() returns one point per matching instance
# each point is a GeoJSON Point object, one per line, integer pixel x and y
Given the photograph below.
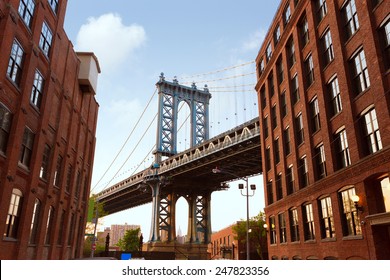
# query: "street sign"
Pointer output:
{"type": "Point", "coordinates": [94, 246]}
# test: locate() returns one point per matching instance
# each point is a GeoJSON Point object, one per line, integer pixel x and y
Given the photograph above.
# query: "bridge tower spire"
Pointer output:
{"type": "Point", "coordinates": [170, 95]}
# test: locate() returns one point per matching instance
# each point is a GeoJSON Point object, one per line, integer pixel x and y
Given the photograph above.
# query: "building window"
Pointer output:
{"type": "Point", "coordinates": [49, 225]}
{"type": "Point", "coordinates": [279, 187]}
{"type": "Point", "coordinates": [72, 226]}
{"type": "Point", "coordinates": [304, 31]}
{"type": "Point", "coordinates": [5, 127]}
{"type": "Point", "coordinates": [335, 97]}
{"type": "Point", "coordinates": [327, 46]}
{"type": "Point", "coordinates": [343, 158]}
{"type": "Point", "coordinates": [350, 217]}
{"type": "Point", "coordinates": [61, 228]}
{"type": "Point", "coordinates": [270, 193]}
{"type": "Point", "coordinates": [261, 67]}
{"type": "Point", "coordinates": [58, 172]}
{"type": "Point", "coordinates": [78, 185]}
{"type": "Point", "coordinates": [282, 228]}
{"type": "Point", "coordinates": [350, 18]}
{"type": "Point", "coordinates": [69, 178]}
{"type": "Point", "coordinates": [265, 127]}
{"type": "Point", "coordinates": [303, 172]}
{"type": "Point", "coordinates": [15, 64]}
{"type": "Point", "coordinates": [359, 70]}
{"type": "Point", "coordinates": [45, 163]}
{"type": "Point", "coordinates": [273, 238]}
{"type": "Point", "coordinates": [309, 68]}
{"type": "Point", "coordinates": [294, 225]}
{"type": "Point", "coordinates": [327, 223]}
{"type": "Point", "coordinates": [26, 11]}
{"type": "Point", "coordinates": [372, 136]}
{"type": "Point", "coordinates": [290, 52]}
{"type": "Point", "coordinates": [276, 34]}
{"type": "Point", "coordinates": [385, 187]}
{"type": "Point", "coordinates": [319, 158]}
{"type": "Point", "coordinates": [299, 129]}
{"type": "Point", "coordinates": [268, 51]}
{"type": "Point", "coordinates": [315, 115]}
{"type": "Point", "coordinates": [37, 89]}
{"type": "Point", "coordinates": [283, 104]}
{"type": "Point", "coordinates": [54, 5]}
{"type": "Point", "coordinates": [287, 141]}
{"type": "Point", "coordinates": [263, 98]}
{"type": "Point", "coordinates": [286, 14]}
{"type": "Point", "coordinates": [13, 217]}
{"type": "Point", "coordinates": [276, 151]}
{"type": "Point", "coordinates": [308, 222]}
{"type": "Point", "coordinates": [45, 39]}
{"type": "Point", "coordinates": [385, 40]}
{"type": "Point", "coordinates": [271, 85]}
{"type": "Point", "coordinates": [35, 222]}
{"type": "Point", "coordinates": [268, 159]}
{"type": "Point", "coordinates": [27, 147]}
{"type": "Point", "coordinates": [290, 180]}
{"type": "Point", "coordinates": [280, 70]}
{"type": "Point", "coordinates": [274, 120]}
{"type": "Point", "coordinates": [295, 89]}
{"type": "Point", "coordinates": [322, 9]}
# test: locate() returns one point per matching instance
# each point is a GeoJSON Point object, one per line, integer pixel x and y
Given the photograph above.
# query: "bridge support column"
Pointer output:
{"type": "Point", "coordinates": [199, 218]}
{"type": "Point", "coordinates": [154, 228]}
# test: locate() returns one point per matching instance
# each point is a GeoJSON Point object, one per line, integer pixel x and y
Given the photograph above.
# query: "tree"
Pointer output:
{"type": "Point", "coordinates": [257, 233]}
{"type": "Point", "coordinates": [130, 241]}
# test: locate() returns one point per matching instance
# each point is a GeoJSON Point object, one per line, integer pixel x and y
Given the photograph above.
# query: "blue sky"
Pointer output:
{"type": "Point", "coordinates": [211, 42]}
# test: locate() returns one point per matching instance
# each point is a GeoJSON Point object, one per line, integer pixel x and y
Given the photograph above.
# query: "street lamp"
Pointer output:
{"type": "Point", "coordinates": [241, 187]}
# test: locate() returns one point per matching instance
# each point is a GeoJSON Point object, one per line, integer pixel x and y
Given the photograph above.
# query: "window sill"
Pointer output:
{"type": "Point", "coordinates": [332, 239]}
{"type": "Point", "coordinates": [353, 237]}
{"type": "Point", "coordinates": [9, 239]}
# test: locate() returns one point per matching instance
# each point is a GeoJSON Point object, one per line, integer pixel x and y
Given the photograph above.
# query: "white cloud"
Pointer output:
{"type": "Point", "coordinates": [254, 41]}
{"type": "Point", "coordinates": [111, 41]}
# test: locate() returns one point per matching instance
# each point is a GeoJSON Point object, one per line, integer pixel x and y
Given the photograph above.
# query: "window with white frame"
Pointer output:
{"type": "Point", "coordinates": [35, 222]}
{"type": "Point", "coordinates": [327, 46]}
{"type": "Point", "coordinates": [13, 216]}
{"type": "Point", "coordinates": [322, 9]}
{"type": "Point", "coordinates": [372, 136]}
{"type": "Point", "coordinates": [309, 68]}
{"type": "Point", "coordinates": [308, 219]}
{"type": "Point", "coordinates": [361, 80]}
{"type": "Point", "coordinates": [335, 97]}
{"type": "Point", "coordinates": [294, 225]}
{"type": "Point", "coordinates": [282, 228]}
{"type": "Point", "coordinates": [315, 115]}
{"type": "Point", "coordinates": [351, 20]}
{"type": "Point", "coordinates": [343, 157]}
{"type": "Point", "coordinates": [319, 158]}
{"type": "Point", "coordinates": [327, 222]}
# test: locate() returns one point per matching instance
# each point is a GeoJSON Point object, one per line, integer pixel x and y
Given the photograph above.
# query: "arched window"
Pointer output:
{"type": "Point", "coordinates": [35, 221]}
{"type": "Point", "coordinates": [13, 217]}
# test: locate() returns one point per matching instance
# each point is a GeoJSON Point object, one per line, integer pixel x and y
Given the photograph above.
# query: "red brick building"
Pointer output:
{"type": "Point", "coordinates": [48, 115]}
{"type": "Point", "coordinates": [224, 245]}
{"type": "Point", "coordinates": [323, 89]}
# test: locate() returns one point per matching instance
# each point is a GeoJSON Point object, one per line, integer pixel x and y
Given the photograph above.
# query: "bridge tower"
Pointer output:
{"type": "Point", "coordinates": [170, 94]}
{"type": "Point", "coordinates": [163, 226]}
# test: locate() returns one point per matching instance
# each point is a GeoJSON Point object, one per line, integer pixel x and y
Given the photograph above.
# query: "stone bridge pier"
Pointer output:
{"type": "Point", "coordinates": [163, 223]}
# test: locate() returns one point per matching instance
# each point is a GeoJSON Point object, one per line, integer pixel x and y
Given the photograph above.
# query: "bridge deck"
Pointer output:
{"type": "Point", "coordinates": [236, 151]}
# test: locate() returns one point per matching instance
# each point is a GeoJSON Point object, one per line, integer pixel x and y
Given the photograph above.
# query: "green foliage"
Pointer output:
{"type": "Point", "coordinates": [257, 232]}
{"type": "Point", "coordinates": [130, 241]}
